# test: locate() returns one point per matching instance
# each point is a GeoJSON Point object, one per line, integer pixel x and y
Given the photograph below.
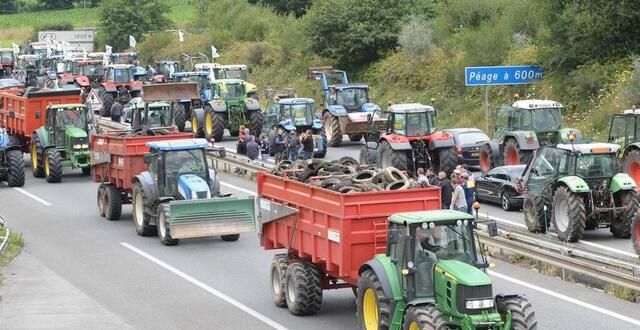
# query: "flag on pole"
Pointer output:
{"type": "Point", "coordinates": [132, 41]}
{"type": "Point", "coordinates": [181, 36]}
{"type": "Point", "coordinates": [214, 52]}
{"type": "Point", "coordinates": [108, 49]}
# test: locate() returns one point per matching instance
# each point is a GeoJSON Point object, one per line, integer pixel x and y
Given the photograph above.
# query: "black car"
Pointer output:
{"type": "Point", "coordinates": [500, 185]}
{"type": "Point", "coordinates": [468, 144]}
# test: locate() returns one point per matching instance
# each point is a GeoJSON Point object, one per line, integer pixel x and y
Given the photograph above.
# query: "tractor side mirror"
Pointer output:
{"type": "Point", "coordinates": [435, 112]}
{"type": "Point", "coordinates": [369, 119]}
{"type": "Point", "coordinates": [394, 236]}
{"type": "Point", "coordinates": [148, 158]}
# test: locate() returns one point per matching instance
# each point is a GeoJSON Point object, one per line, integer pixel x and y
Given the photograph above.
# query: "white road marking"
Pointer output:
{"type": "Point", "coordinates": [205, 287]}
{"type": "Point", "coordinates": [246, 191]}
{"type": "Point", "coordinates": [565, 298]}
{"type": "Point", "coordinates": [32, 196]}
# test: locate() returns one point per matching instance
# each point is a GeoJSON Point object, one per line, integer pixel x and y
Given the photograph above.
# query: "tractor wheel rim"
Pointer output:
{"type": "Point", "coordinates": [291, 290]}
{"type": "Point", "coordinates": [162, 229]}
{"type": "Point", "coordinates": [138, 209]}
{"type": "Point", "coordinates": [484, 161]}
{"type": "Point", "coordinates": [561, 212]}
{"type": "Point", "coordinates": [414, 326]}
{"type": "Point", "coordinates": [275, 281]}
{"type": "Point", "coordinates": [512, 156]}
{"type": "Point", "coordinates": [328, 128]}
{"type": "Point", "coordinates": [194, 125]}
{"type": "Point", "coordinates": [34, 156]}
{"type": "Point", "coordinates": [370, 310]}
{"type": "Point", "coordinates": [528, 213]}
{"type": "Point", "coordinates": [208, 124]}
{"type": "Point", "coordinates": [634, 171]}
{"type": "Point", "coordinates": [47, 166]}
{"type": "Point", "coordinates": [505, 201]}
{"type": "Point", "coordinates": [637, 229]}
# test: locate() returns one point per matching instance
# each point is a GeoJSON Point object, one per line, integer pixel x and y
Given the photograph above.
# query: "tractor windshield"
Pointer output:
{"type": "Point", "coordinates": [352, 98]}
{"type": "Point", "coordinates": [120, 76]}
{"type": "Point", "coordinates": [546, 119]}
{"type": "Point", "coordinates": [226, 73]}
{"type": "Point", "coordinates": [596, 166]}
{"type": "Point", "coordinates": [414, 124]}
{"type": "Point", "coordinates": [72, 117]}
{"type": "Point", "coordinates": [6, 58]}
{"type": "Point", "coordinates": [300, 114]}
{"type": "Point", "coordinates": [231, 91]}
{"type": "Point", "coordinates": [92, 70]}
{"type": "Point", "coordinates": [158, 117]}
{"type": "Point", "coordinates": [182, 162]}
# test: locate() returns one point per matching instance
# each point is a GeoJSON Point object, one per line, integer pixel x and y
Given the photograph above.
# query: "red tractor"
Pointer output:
{"type": "Point", "coordinates": [118, 83]}
{"type": "Point", "coordinates": [410, 141]}
{"type": "Point", "coordinates": [83, 73]}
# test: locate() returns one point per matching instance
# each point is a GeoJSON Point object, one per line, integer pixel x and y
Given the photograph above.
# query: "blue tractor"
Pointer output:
{"type": "Point", "coordinates": [182, 109]}
{"type": "Point", "coordinates": [346, 106]}
{"type": "Point", "coordinates": [179, 195]}
{"type": "Point", "coordinates": [11, 160]}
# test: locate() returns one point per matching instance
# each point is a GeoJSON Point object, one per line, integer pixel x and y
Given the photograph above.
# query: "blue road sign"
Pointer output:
{"type": "Point", "coordinates": [502, 75]}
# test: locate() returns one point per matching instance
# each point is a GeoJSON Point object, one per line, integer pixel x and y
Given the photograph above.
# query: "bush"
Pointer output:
{"type": "Point", "coordinates": [416, 38]}
{"type": "Point", "coordinates": [120, 18]}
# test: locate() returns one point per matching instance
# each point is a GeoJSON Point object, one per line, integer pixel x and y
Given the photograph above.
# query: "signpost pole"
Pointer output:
{"type": "Point", "coordinates": [486, 107]}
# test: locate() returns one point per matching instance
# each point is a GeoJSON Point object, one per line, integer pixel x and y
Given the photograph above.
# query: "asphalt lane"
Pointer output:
{"type": "Point", "coordinates": [99, 257]}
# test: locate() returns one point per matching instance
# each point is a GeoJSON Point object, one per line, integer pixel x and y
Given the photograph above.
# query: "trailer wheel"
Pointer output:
{"type": "Point", "coordinates": [303, 292]}
{"type": "Point", "coordinates": [635, 233]}
{"type": "Point", "coordinates": [37, 167]}
{"type": "Point", "coordinates": [373, 308]}
{"type": "Point", "coordinates": [162, 223]}
{"type": "Point", "coordinates": [568, 214]}
{"type": "Point", "coordinates": [277, 278]}
{"type": "Point", "coordinates": [332, 129]}
{"type": "Point", "coordinates": [213, 125]}
{"type": "Point", "coordinates": [230, 238]}
{"type": "Point", "coordinates": [53, 165]}
{"type": "Point", "coordinates": [423, 317]}
{"type": "Point", "coordinates": [621, 226]}
{"type": "Point", "coordinates": [256, 120]}
{"type": "Point", "coordinates": [447, 160]}
{"type": "Point", "coordinates": [15, 163]}
{"type": "Point", "coordinates": [113, 203]}
{"type": "Point", "coordinates": [141, 219]}
{"type": "Point", "coordinates": [534, 217]}
{"type": "Point", "coordinates": [100, 198]}
{"type": "Point", "coordinates": [523, 317]}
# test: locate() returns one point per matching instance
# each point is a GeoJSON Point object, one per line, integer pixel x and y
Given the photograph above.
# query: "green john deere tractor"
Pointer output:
{"type": "Point", "coordinates": [63, 141]}
{"type": "Point", "coordinates": [578, 187]}
{"type": "Point", "coordinates": [229, 108]}
{"type": "Point", "coordinates": [431, 278]}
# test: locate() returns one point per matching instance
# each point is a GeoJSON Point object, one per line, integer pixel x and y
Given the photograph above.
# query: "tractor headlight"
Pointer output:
{"type": "Point", "coordinates": [77, 146]}
{"type": "Point", "coordinates": [480, 303]}
{"type": "Point", "coordinates": [85, 146]}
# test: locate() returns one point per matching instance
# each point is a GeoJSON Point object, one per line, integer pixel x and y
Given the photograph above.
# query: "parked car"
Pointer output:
{"type": "Point", "coordinates": [468, 144]}
{"type": "Point", "coordinates": [502, 185]}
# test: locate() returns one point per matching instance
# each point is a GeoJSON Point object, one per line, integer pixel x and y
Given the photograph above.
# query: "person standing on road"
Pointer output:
{"type": "Point", "coordinates": [264, 148]}
{"type": "Point", "coordinates": [469, 191]}
{"type": "Point", "coordinates": [433, 179]}
{"type": "Point", "coordinates": [116, 111]}
{"type": "Point", "coordinates": [241, 147]}
{"type": "Point", "coordinates": [307, 144]}
{"type": "Point", "coordinates": [278, 145]}
{"type": "Point", "coordinates": [253, 149]}
{"type": "Point", "coordinates": [458, 199]}
{"type": "Point", "coordinates": [423, 181]}
{"type": "Point", "coordinates": [446, 190]}
{"type": "Point", "coordinates": [293, 144]}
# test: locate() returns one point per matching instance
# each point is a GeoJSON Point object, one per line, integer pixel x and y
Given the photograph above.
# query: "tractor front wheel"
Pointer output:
{"type": "Point", "coordinates": [486, 159]}
{"type": "Point", "coordinates": [423, 317]}
{"type": "Point", "coordinates": [523, 317]}
{"type": "Point", "coordinates": [213, 125]}
{"type": "Point", "coordinates": [332, 129]}
{"type": "Point", "coordinates": [303, 292]}
{"type": "Point", "coordinates": [256, 120]}
{"type": "Point", "coordinates": [621, 225]}
{"type": "Point", "coordinates": [162, 223]}
{"type": "Point", "coordinates": [534, 217]}
{"type": "Point", "coordinates": [53, 165]}
{"type": "Point", "coordinates": [278, 287]}
{"type": "Point", "coordinates": [513, 155]}
{"type": "Point", "coordinates": [37, 165]}
{"type": "Point", "coordinates": [569, 214]}
{"type": "Point", "coordinates": [387, 157]}
{"type": "Point", "coordinates": [373, 308]}
{"type": "Point", "coordinates": [141, 219]}
{"type": "Point", "coordinates": [15, 163]}
{"type": "Point", "coordinates": [112, 203]}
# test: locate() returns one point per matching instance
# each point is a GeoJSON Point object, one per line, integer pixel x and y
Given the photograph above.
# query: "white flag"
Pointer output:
{"type": "Point", "coordinates": [15, 47]}
{"type": "Point", "coordinates": [108, 49]}
{"type": "Point", "coordinates": [214, 52]}
{"type": "Point", "coordinates": [181, 36]}
{"type": "Point", "coordinates": [132, 41]}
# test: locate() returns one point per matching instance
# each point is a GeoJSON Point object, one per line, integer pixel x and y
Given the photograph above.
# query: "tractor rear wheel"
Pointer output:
{"type": "Point", "coordinates": [107, 102]}
{"type": "Point", "coordinates": [523, 317]}
{"type": "Point", "coordinates": [15, 163]}
{"type": "Point", "coordinates": [303, 291]}
{"type": "Point", "coordinates": [213, 124]}
{"type": "Point", "coordinates": [635, 233]}
{"type": "Point", "coordinates": [52, 165]}
{"type": "Point", "coordinates": [179, 116]}
{"type": "Point", "coordinates": [568, 214]}
{"type": "Point", "coordinates": [278, 287]}
{"type": "Point", "coordinates": [86, 170]}
{"type": "Point", "coordinates": [332, 129]}
{"type": "Point", "coordinates": [162, 223]}
{"type": "Point", "coordinates": [423, 317]}
{"type": "Point", "coordinates": [447, 160]}
{"type": "Point", "coordinates": [230, 237]}
{"type": "Point", "coordinates": [621, 226]}
{"type": "Point", "coordinates": [256, 120]}
{"type": "Point", "coordinates": [387, 157]}
{"type": "Point", "coordinates": [141, 219]}
{"type": "Point", "coordinates": [355, 137]}
{"type": "Point", "coordinates": [112, 203]}
{"type": "Point", "coordinates": [37, 165]}
{"type": "Point", "coordinates": [368, 156]}
{"type": "Point", "coordinates": [534, 217]}
{"type": "Point", "coordinates": [373, 308]}
{"type": "Point", "coordinates": [513, 155]}
{"type": "Point", "coordinates": [100, 198]}
{"type": "Point", "coordinates": [486, 159]}
{"type": "Point", "coordinates": [631, 164]}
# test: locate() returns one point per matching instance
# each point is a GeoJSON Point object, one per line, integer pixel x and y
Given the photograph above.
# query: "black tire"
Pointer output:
{"type": "Point", "coordinates": [141, 219]}
{"type": "Point", "coordinates": [107, 103]}
{"type": "Point", "coordinates": [635, 233]}
{"type": "Point", "coordinates": [214, 130]}
{"type": "Point", "coordinates": [534, 217]}
{"type": "Point", "coordinates": [348, 161]}
{"type": "Point", "coordinates": [332, 129]}
{"type": "Point", "coordinates": [15, 164]}
{"type": "Point", "coordinates": [505, 201]}
{"type": "Point", "coordinates": [355, 137]}
{"type": "Point", "coordinates": [368, 156]}
{"type": "Point", "coordinates": [387, 157]}
{"type": "Point", "coordinates": [523, 317]}
{"type": "Point", "coordinates": [53, 165]}
{"type": "Point", "coordinates": [37, 164]}
{"type": "Point", "coordinates": [447, 160]}
{"type": "Point", "coordinates": [256, 121]}
{"type": "Point", "coordinates": [230, 237]}
{"type": "Point", "coordinates": [277, 280]}
{"type": "Point", "coordinates": [162, 224]}
{"type": "Point", "coordinates": [426, 317]}
{"type": "Point", "coordinates": [100, 199]}
{"type": "Point", "coordinates": [179, 116]}
{"type": "Point", "coordinates": [370, 284]}
{"type": "Point", "coordinates": [568, 214]}
{"type": "Point", "coordinates": [303, 288]}
{"type": "Point", "coordinates": [113, 203]}
{"type": "Point", "coordinates": [523, 156]}
{"type": "Point", "coordinates": [86, 171]}
{"type": "Point", "coordinates": [621, 225]}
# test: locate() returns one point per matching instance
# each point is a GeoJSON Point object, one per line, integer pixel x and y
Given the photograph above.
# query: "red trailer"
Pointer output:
{"type": "Point", "coordinates": [116, 157]}
{"type": "Point", "coordinates": [21, 114]}
{"type": "Point", "coordinates": [336, 232]}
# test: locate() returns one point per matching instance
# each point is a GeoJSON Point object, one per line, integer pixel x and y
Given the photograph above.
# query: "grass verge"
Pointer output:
{"type": "Point", "coordinates": [11, 251]}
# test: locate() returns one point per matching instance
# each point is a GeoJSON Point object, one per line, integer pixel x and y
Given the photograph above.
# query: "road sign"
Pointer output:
{"type": "Point", "coordinates": [77, 38]}
{"type": "Point", "coordinates": [502, 75]}
{"type": "Point", "coordinates": [93, 101]}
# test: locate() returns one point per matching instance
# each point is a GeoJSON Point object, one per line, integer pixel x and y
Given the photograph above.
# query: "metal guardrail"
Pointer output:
{"type": "Point", "coordinates": [613, 268]}
{"type": "Point", "coordinates": [5, 237]}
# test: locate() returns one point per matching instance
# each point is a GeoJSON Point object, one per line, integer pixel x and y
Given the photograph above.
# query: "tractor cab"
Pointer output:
{"type": "Point", "coordinates": [7, 60]}
{"type": "Point", "coordinates": [229, 89]}
{"type": "Point", "coordinates": [152, 115]}
{"type": "Point", "coordinates": [354, 97]}
{"type": "Point", "coordinates": [543, 117]}
{"type": "Point", "coordinates": [232, 71]}
{"type": "Point", "coordinates": [623, 128]}
{"type": "Point", "coordinates": [411, 120]}
{"type": "Point", "coordinates": [68, 124]}
{"type": "Point", "coordinates": [92, 69]}
{"type": "Point", "coordinates": [200, 78]}
{"type": "Point", "coordinates": [118, 74]}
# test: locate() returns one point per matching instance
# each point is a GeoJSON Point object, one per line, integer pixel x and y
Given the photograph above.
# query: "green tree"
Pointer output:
{"type": "Point", "coordinates": [286, 7]}
{"type": "Point", "coordinates": [120, 18]}
{"type": "Point", "coordinates": [352, 32]}
{"type": "Point", "coordinates": [8, 7]}
{"type": "Point", "coordinates": [56, 4]}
